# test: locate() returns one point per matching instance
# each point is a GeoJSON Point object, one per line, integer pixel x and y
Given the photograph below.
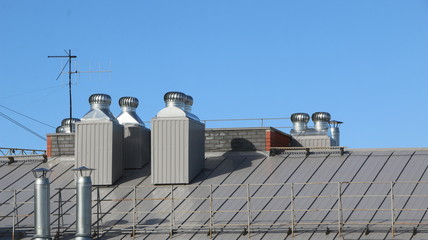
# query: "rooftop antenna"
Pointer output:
{"type": "Point", "coordinates": [70, 57]}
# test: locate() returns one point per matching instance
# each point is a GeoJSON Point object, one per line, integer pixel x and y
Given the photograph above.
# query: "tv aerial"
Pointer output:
{"type": "Point", "coordinates": [70, 73]}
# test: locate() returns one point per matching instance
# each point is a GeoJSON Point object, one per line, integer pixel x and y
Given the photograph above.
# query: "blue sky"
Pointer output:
{"type": "Point", "coordinates": [365, 62]}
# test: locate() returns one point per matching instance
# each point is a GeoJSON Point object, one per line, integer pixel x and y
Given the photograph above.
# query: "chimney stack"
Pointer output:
{"type": "Point", "coordinates": [178, 142]}
{"type": "Point", "coordinates": [136, 138]}
{"type": "Point", "coordinates": [99, 141]}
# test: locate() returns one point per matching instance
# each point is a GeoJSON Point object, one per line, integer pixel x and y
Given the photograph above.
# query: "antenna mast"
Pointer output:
{"type": "Point", "coordinates": [69, 56]}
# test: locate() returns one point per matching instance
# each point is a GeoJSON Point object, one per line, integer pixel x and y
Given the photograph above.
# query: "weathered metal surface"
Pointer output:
{"type": "Point", "coordinates": [177, 150]}
{"type": "Point", "coordinates": [136, 146]}
{"type": "Point", "coordinates": [99, 145]}
{"type": "Point", "coordinates": [267, 184]}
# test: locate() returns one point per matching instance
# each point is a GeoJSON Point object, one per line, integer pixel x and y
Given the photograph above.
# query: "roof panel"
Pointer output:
{"type": "Point", "coordinates": [275, 173]}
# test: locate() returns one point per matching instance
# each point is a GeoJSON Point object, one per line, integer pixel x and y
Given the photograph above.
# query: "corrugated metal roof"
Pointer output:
{"type": "Point", "coordinates": [237, 188]}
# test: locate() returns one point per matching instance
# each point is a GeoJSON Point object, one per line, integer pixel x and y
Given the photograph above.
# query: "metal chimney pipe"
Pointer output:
{"type": "Point", "coordinates": [83, 206]}
{"type": "Point", "coordinates": [300, 121]}
{"type": "Point", "coordinates": [334, 131]}
{"type": "Point", "coordinates": [175, 99]}
{"type": "Point", "coordinates": [42, 212]}
{"type": "Point", "coordinates": [321, 120]}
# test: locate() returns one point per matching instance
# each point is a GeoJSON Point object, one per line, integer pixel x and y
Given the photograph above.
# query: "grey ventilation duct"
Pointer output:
{"type": "Point", "coordinates": [100, 108]}
{"type": "Point", "coordinates": [178, 142]}
{"type": "Point", "coordinates": [83, 203]}
{"type": "Point", "coordinates": [136, 138]}
{"type": "Point", "coordinates": [335, 133]}
{"type": "Point", "coordinates": [99, 141]}
{"type": "Point", "coordinates": [69, 125]}
{"type": "Point", "coordinates": [128, 116]}
{"type": "Point", "coordinates": [321, 120]}
{"type": "Point", "coordinates": [42, 204]}
{"type": "Point", "coordinates": [300, 122]}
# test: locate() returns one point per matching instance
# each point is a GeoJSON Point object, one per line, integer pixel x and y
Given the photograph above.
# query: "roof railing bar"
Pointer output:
{"type": "Point", "coordinates": [349, 223]}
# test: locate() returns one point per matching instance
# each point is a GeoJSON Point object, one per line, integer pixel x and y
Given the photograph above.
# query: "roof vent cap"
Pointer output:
{"type": "Point", "coordinates": [300, 121]}
{"type": "Point", "coordinates": [321, 117]}
{"type": "Point", "coordinates": [66, 122]}
{"type": "Point", "coordinates": [300, 117]}
{"type": "Point", "coordinates": [60, 129]}
{"type": "Point", "coordinates": [100, 108]}
{"type": "Point", "coordinates": [69, 125]}
{"type": "Point", "coordinates": [128, 115]}
{"type": "Point", "coordinates": [100, 101]}
{"type": "Point", "coordinates": [189, 100]}
{"type": "Point", "coordinates": [188, 103]}
{"type": "Point", "coordinates": [175, 99]}
{"type": "Point", "coordinates": [321, 120]}
{"type": "Point", "coordinates": [128, 102]}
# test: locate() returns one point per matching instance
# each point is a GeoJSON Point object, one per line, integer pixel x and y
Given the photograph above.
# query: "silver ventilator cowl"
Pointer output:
{"type": "Point", "coordinates": [60, 129]}
{"type": "Point", "coordinates": [175, 99]}
{"type": "Point", "coordinates": [321, 120]}
{"type": "Point", "coordinates": [188, 103]}
{"type": "Point", "coordinates": [65, 123]}
{"type": "Point", "coordinates": [188, 108]}
{"type": "Point", "coordinates": [300, 121]}
{"type": "Point", "coordinates": [128, 116]}
{"type": "Point", "coordinates": [100, 108]}
{"type": "Point", "coordinates": [100, 101]}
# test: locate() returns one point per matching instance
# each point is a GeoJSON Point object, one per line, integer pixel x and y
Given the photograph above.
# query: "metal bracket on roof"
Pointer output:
{"type": "Point", "coordinates": [57, 235]}
{"type": "Point", "coordinates": [306, 150]}
{"type": "Point", "coordinates": [367, 230]}
{"type": "Point", "coordinates": [245, 232]}
{"type": "Point", "coordinates": [415, 230]}
{"type": "Point", "coordinates": [11, 160]}
{"type": "Point", "coordinates": [327, 231]}
{"type": "Point", "coordinates": [289, 232]}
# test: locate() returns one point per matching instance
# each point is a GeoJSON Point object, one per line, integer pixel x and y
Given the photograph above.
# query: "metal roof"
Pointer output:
{"type": "Point", "coordinates": [240, 195]}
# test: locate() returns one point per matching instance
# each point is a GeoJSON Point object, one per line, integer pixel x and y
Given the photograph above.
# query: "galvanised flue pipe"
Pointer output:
{"type": "Point", "coordinates": [42, 209]}
{"type": "Point", "coordinates": [83, 208]}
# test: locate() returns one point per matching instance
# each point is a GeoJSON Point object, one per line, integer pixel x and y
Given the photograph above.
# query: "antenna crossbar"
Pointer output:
{"type": "Point", "coordinates": [69, 56]}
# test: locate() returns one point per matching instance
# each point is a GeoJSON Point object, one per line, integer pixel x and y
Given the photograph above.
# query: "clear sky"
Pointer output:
{"type": "Point", "coordinates": [364, 61]}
